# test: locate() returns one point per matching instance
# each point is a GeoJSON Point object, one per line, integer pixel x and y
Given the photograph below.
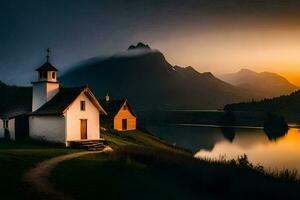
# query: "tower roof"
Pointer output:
{"type": "Point", "coordinates": [47, 66]}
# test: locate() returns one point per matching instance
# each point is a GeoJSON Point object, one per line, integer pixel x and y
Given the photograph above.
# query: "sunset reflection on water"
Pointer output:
{"type": "Point", "coordinates": [281, 153]}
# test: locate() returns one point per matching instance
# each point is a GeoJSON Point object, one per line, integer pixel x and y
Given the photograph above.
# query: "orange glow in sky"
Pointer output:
{"type": "Point", "coordinates": [229, 50]}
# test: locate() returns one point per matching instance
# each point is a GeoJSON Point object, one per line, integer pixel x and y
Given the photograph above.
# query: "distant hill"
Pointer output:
{"type": "Point", "coordinates": [265, 83]}
{"type": "Point", "coordinates": [283, 104]}
{"type": "Point", "coordinates": [144, 76]}
{"type": "Point", "coordinates": [14, 99]}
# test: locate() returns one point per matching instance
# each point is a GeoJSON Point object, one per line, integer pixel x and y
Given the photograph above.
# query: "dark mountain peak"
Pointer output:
{"type": "Point", "coordinates": [142, 74]}
{"type": "Point", "coordinates": [139, 45]}
{"type": "Point", "coordinates": [188, 69]}
{"type": "Point", "coordinates": [208, 74]}
{"type": "Point", "coordinates": [204, 74]}
{"type": "Point", "coordinates": [140, 51]}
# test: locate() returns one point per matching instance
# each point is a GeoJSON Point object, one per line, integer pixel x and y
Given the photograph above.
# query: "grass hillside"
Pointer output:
{"type": "Point", "coordinates": [141, 166]}
{"type": "Point", "coordinates": [144, 167]}
{"type": "Point", "coordinates": [16, 159]}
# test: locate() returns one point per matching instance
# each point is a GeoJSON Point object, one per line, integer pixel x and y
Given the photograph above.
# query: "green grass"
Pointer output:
{"type": "Point", "coordinates": [140, 138]}
{"type": "Point", "coordinates": [108, 176]}
{"type": "Point", "coordinates": [144, 167]}
{"type": "Point", "coordinates": [16, 158]}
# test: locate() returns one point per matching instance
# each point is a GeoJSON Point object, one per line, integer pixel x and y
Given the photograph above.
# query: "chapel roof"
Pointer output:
{"type": "Point", "coordinates": [16, 110]}
{"type": "Point", "coordinates": [55, 106]}
{"type": "Point", "coordinates": [63, 99]}
{"type": "Point", "coordinates": [112, 107]}
{"type": "Point", "coordinates": [15, 101]}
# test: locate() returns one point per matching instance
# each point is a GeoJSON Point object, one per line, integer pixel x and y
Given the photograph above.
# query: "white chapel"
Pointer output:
{"type": "Point", "coordinates": [57, 114]}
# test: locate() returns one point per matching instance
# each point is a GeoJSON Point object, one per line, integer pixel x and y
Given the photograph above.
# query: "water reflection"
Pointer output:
{"type": "Point", "coordinates": [193, 138]}
{"type": "Point", "coordinates": [275, 126]}
{"type": "Point", "coordinates": [272, 130]}
{"type": "Point", "coordinates": [228, 133]}
{"type": "Point", "coordinates": [271, 149]}
{"type": "Point", "coordinates": [282, 153]}
{"type": "Point", "coordinates": [228, 119]}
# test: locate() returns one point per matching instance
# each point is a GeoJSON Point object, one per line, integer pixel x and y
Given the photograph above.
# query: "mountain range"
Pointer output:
{"type": "Point", "coordinates": [148, 81]}
{"type": "Point", "coordinates": [264, 84]}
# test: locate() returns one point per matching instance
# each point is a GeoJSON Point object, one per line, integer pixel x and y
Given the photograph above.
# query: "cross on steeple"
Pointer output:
{"type": "Point", "coordinates": [48, 54]}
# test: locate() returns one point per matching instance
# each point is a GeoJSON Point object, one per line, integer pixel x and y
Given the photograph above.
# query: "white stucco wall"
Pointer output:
{"type": "Point", "coordinates": [52, 90]}
{"type": "Point", "coordinates": [1, 129]}
{"type": "Point", "coordinates": [74, 115]}
{"type": "Point", "coordinates": [43, 92]}
{"type": "Point", "coordinates": [51, 128]}
{"type": "Point", "coordinates": [39, 96]}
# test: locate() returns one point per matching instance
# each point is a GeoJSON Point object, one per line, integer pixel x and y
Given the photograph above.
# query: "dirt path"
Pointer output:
{"type": "Point", "coordinates": [37, 178]}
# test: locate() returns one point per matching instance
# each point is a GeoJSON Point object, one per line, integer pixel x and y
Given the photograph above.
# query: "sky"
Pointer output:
{"type": "Point", "coordinates": [220, 36]}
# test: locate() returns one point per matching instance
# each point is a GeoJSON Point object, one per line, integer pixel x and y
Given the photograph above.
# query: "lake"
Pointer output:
{"type": "Point", "coordinates": [212, 142]}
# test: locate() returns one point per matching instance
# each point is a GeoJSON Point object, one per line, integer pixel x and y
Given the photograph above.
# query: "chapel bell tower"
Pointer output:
{"type": "Point", "coordinates": [46, 86]}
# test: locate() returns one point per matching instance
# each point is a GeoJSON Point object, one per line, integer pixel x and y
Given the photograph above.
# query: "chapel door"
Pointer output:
{"type": "Point", "coordinates": [83, 129]}
{"type": "Point", "coordinates": [124, 124]}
